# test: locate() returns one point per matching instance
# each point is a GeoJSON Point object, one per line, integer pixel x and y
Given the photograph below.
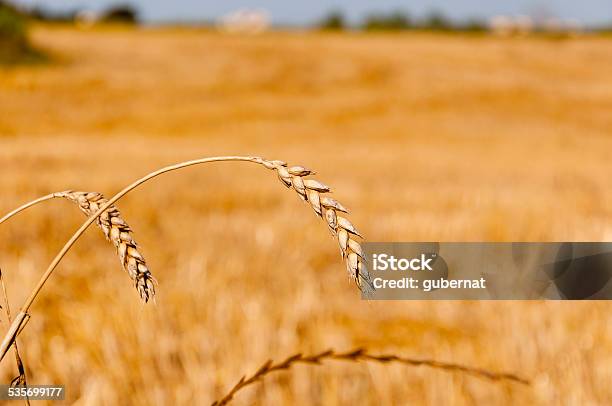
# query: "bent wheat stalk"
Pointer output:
{"type": "Point", "coordinates": [295, 177]}
{"type": "Point", "coordinates": [356, 356]}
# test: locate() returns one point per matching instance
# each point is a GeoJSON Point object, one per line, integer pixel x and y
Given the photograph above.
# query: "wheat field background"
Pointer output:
{"type": "Point", "coordinates": [424, 137]}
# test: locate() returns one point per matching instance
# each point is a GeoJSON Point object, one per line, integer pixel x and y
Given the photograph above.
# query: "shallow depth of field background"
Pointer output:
{"type": "Point", "coordinates": [425, 137]}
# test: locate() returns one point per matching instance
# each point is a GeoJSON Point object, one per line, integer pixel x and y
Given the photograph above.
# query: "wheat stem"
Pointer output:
{"type": "Point", "coordinates": [94, 216]}
{"type": "Point", "coordinates": [28, 205]}
{"type": "Point", "coordinates": [356, 356]}
{"type": "Point", "coordinates": [21, 379]}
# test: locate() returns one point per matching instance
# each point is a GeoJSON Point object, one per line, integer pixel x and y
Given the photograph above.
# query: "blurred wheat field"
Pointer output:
{"type": "Point", "coordinates": [424, 137]}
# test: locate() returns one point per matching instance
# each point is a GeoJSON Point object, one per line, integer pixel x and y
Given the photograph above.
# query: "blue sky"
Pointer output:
{"type": "Point", "coordinates": [304, 12]}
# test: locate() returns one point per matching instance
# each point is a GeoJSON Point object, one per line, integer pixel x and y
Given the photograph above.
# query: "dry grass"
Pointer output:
{"type": "Point", "coordinates": [426, 138]}
{"type": "Point", "coordinates": [355, 356]}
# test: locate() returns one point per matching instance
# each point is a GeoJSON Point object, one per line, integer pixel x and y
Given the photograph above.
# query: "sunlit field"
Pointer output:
{"type": "Point", "coordinates": [424, 137]}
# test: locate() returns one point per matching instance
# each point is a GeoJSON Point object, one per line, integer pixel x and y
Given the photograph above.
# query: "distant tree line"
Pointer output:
{"type": "Point", "coordinates": [399, 20]}
{"type": "Point", "coordinates": [118, 13]}
{"type": "Point", "coordinates": [15, 46]}
{"type": "Point", "coordinates": [13, 19]}
{"type": "Point", "coordinates": [436, 21]}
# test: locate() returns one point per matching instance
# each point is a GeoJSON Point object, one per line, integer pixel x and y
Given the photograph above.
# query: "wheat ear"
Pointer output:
{"type": "Point", "coordinates": [357, 356]}
{"type": "Point", "coordinates": [119, 233]}
{"type": "Point", "coordinates": [314, 192]}
{"type": "Point", "coordinates": [115, 229]}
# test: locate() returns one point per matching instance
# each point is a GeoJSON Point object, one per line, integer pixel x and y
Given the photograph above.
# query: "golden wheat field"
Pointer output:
{"type": "Point", "coordinates": [424, 137]}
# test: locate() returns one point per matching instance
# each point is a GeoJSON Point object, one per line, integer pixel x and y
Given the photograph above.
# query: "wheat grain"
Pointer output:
{"type": "Point", "coordinates": [327, 208]}
{"type": "Point", "coordinates": [119, 233]}
{"type": "Point", "coordinates": [356, 356]}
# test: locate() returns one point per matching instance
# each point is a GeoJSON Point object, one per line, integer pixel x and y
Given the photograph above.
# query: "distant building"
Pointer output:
{"type": "Point", "coordinates": [245, 21]}
{"type": "Point", "coordinates": [86, 18]}
{"type": "Point", "coordinates": [511, 25]}
{"type": "Point", "coordinates": [522, 25]}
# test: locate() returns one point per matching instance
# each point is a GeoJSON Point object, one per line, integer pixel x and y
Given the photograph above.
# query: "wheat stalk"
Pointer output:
{"type": "Point", "coordinates": [310, 190]}
{"type": "Point", "coordinates": [21, 379]}
{"type": "Point", "coordinates": [356, 356]}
